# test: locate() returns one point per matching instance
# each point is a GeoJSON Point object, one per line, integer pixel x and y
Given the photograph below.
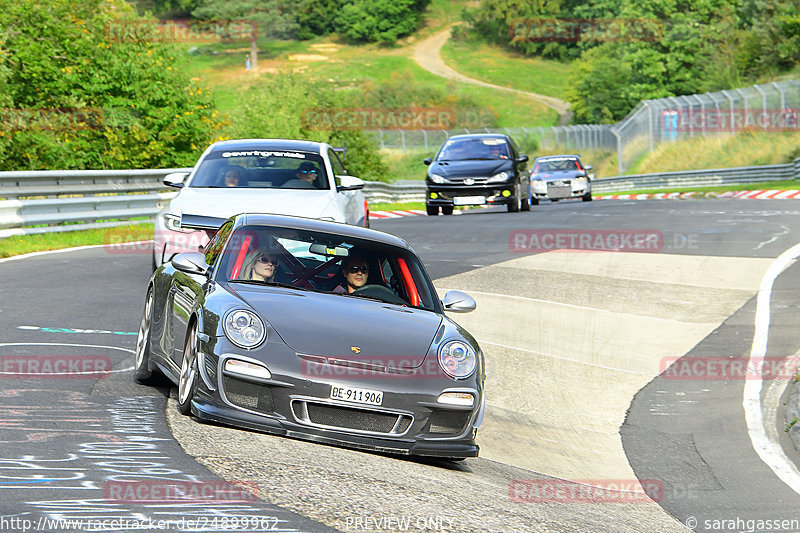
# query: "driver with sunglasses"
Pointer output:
{"type": "Point", "coordinates": [306, 175]}
{"type": "Point", "coordinates": [356, 272]}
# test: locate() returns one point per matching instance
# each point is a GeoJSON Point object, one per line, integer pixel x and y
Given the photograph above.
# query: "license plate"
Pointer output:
{"type": "Point", "coordinates": [352, 394]}
{"type": "Point", "coordinates": [469, 200]}
{"type": "Point", "coordinates": [559, 192]}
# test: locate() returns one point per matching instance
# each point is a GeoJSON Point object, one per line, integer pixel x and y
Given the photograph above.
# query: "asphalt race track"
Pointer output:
{"type": "Point", "coordinates": [618, 390]}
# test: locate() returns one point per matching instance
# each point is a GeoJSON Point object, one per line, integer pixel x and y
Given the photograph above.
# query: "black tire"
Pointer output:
{"type": "Point", "coordinates": [534, 201]}
{"type": "Point", "coordinates": [432, 210]}
{"type": "Point", "coordinates": [587, 197]}
{"type": "Point", "coordinates": [515, 206]}
{"type": "Point", "coordinates": [366, 219]}
{"type": "Point", "coordinates": [526, 201]}
{"type": "Point", "coordinates": [447, 209]}
{"type": "Point", "coordinates": [187, 382]}
{"type": "Point", "coordinates": [142, 372]}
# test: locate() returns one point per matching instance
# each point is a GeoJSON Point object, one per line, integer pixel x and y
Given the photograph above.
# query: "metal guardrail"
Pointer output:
{"type": "Point", "coordinates": [43, 201]}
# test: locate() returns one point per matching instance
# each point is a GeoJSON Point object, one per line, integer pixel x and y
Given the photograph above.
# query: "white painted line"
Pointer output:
{"type": "Point", "coordinates": [93, 372]}
{"type": "Point", "coordinates": [769, 451]}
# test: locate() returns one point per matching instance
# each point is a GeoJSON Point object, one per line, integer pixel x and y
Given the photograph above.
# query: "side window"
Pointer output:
{"type": "Point", "coordinates": [336, 164]}
{"type": "Point", "coordinates": [514, 149]}
{"type": "Point", "coordinates": [217, 242]}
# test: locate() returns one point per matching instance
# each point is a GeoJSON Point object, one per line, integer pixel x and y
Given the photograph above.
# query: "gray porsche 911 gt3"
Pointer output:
{"type": "Point", "coordinates": [314, 330]}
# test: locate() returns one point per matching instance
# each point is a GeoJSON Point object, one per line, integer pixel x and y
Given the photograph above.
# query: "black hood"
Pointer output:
{"type": "Point", "coordinates": [470, 168]}
{"type": "Point", "coordinates": [334, 325]}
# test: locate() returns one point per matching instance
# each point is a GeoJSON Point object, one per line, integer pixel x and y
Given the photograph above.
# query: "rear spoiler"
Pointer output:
{"type": "Point", "coordinates": [201, 222]}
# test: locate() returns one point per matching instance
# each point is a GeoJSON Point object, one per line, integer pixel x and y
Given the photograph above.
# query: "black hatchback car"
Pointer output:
{"type": "Point", "coordinates": [477, 169]}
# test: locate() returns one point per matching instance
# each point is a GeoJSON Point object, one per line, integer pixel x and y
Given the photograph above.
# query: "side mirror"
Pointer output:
{"type": "Point", "coordinates": [458, 302]}
{"type": "Point", "coordinates": [349, 183]}
{"type": "Point", "coordinates": [427, 160]}
{"type": "Point", "coordinates": [588, 167]}
{"type": "Point", "coordinates": [175, 179]}
{"type": "Point", "coordinates": [522, 159]}
{"type": "Point", "coordinates": [191, 263]}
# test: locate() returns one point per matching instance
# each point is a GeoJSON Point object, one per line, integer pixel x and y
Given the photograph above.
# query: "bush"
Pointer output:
{"type": "Point", "coordinates": [379, 21]}
{"type": "Point", "coordinates": [96, 92]}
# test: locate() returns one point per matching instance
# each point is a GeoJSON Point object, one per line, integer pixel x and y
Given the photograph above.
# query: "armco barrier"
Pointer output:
{"type": "Point", "coordinates": [41, 201]}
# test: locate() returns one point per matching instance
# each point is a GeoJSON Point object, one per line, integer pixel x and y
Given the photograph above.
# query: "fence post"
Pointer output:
{"type": "Point", "coordinates": [764, 107]}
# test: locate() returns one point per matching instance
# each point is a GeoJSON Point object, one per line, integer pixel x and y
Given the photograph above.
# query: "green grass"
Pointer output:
{"type": "Point", "coordinates": [400, 206]}
{"type": "Point", "coordinates": [23, 244]}
{"type": "Point", "coordinates": [407, 165]}
{"type": "Point", "coordinates": [494, 64]}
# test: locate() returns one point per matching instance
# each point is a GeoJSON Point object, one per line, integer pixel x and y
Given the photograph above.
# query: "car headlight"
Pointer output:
{"type": "Point", "coordinates": [436, 178]}
{"type": "Point", "coordinates": [244, 328]}
{"type": "Point", "coordinates": [497, 178]}
{"type": "Point", "coordinates": [580, 180]}
{"type": "Point", "coordinates": [173, 223]}
{"type": "Point", "coordinates": [457, 359]}
{"type": "Point", "coordinates": [539, 185]}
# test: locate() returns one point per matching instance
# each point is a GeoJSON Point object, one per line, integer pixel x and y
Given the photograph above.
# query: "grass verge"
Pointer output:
{"type": "Point", "coordinates": [24, 244]}
{"type": "Point", "coordinates": [762, 186]}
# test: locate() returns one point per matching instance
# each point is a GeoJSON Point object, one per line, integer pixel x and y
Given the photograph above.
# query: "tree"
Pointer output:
{"type": "Point", "coordinates": [273, 18]}
{"type": "Point", "coordinates": [85, 85]}
{"type": "Point", "coordinates": [381, 21]}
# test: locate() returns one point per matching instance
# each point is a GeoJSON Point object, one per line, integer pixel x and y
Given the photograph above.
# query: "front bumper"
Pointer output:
{"type": "Point", "coordinates": [295, 402]}
{"type": "Point", "coordinates": [447, 195]}
{"type": "Point", "coordinates": [551, 191]}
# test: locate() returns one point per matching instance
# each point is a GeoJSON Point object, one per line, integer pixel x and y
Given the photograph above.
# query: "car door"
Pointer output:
{"type": "Point", "coordinates": [350, 203]}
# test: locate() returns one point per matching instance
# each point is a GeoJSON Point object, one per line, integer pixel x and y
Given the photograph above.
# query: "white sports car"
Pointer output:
{"type": "Point", "coordinates": [284, 177]}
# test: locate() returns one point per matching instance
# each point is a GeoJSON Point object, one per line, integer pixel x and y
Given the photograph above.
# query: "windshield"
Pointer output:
{"type": "Point", "coordinates": [260, 169]}
{"type": "Point", "coordinates": [328, 263]}
{"type": "Point", "coordinates": [558, 165]}
{"type": "Point", "coordinates": [481, 148]}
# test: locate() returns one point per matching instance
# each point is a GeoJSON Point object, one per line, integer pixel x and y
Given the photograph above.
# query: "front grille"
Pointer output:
{"type": "Point", "coordinates": [336, 416]}
{"type": "Point", "coordinates": [476, 180]}
{"type": "Point", "coordinates": [248, 395]}
{"type": "Point", "coordinates": [448, 422]}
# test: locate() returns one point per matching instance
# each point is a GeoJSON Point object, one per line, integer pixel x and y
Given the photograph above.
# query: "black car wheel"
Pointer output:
{"type": "Point", "coordinates": [515, 206]}
{"type": "Point", "coordinates": [187, 383]}
{"type": "Point", "coordinates": [142, 372]}
{"type": "Point", "coordinates": [534, 201]}
{"type": "Point", "coordinates": [432, 210]}
{"type": "Point", "coordinates": [587, 197]}
{"type": "Point", "coordinates": [526, 200]}
{"type": "Point", "coordinates": [447, 209]}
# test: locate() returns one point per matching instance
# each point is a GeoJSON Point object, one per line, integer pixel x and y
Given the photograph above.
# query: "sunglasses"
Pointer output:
{"type": "Point", "coordinates": [356, 269]}
{"type": "Point", "coordinates": [267, 260]}
{"type": "Point", "coordinates": [312, 171]}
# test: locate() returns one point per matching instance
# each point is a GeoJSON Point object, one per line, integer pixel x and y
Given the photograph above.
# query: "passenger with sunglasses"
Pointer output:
{"type": "Point", "coordinates": [306, 176]}
{"type": "Point", "coordinates": [260, 265]}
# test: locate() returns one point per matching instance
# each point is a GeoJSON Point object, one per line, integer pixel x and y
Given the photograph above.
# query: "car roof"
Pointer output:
{"type": "Point", "coordinates": [479, 136]}
{"type": "Point", "coordinates": [563, 156]}
{"type": "Point", "coordinates": [313, 224]}
{"type": "Point", "coordinates": [268, 144]}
